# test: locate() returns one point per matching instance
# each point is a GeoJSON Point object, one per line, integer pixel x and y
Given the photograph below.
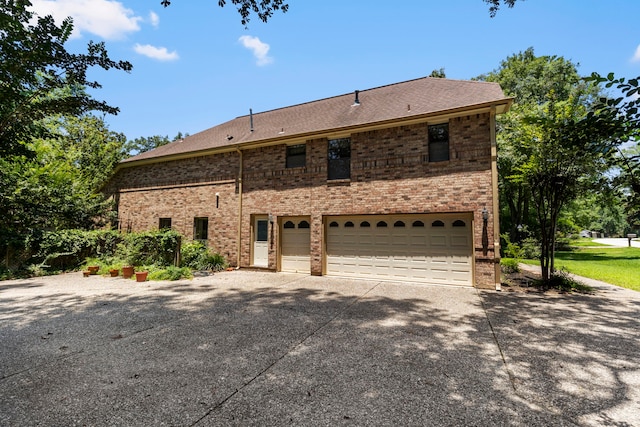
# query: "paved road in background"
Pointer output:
{"type": "Point", "coordinates": [622, 242]}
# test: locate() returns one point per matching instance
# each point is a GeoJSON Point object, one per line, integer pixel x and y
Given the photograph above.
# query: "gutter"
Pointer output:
{"type": "Point", "coordinates": [239, 248]}
{"type": "Point", "coordinates": [496, 194]}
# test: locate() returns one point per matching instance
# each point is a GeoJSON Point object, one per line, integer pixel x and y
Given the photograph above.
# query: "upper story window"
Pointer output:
{"type": "Point", "coordinates": [339, 158]}
{"type": "Point", "coordinates": [439, 142]}
{"type": "Point", "coordinates": [164, 223]}
{"type": "Point", "coordinates": [296, 156]}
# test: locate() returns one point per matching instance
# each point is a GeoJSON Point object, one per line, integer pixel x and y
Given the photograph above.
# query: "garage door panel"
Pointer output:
{"type": "Point", "coordinates": [428, 248]}
{"type": "Point", "coordinates": [296, 247]}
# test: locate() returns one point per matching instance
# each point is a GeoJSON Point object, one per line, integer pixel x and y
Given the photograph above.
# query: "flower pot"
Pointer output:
{"type": "Point", "coordinates": [114, 272]}
{"type": "Point", "coordinates": [93, 269]}
{"type": "Point", "coordinates": [141, 276]}
{"type": "Point", "coordinates": [127, 271]}
{"type": "Point", "coordinates": [86, 273]}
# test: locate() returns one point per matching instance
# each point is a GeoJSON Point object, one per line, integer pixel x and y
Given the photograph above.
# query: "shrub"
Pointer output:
{"type": "Point", "coordinates": [171, 273]}
{"type": "Point", "coordinates": [157, 247]}
{"type": "Point", "coordinates": [509, 265]}
{"type": "Point", "coordinates": [195, 255]}
{"type": "Point", "coordinates": [562, 281]}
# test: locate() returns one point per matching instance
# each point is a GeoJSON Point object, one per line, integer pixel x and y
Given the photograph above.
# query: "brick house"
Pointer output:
{"type": "Point", "coordinates": [397, 182]}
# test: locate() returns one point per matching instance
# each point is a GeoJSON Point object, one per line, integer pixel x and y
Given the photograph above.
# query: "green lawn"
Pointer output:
{"type": "Point", "coordinates": [618, 266]}
{"type": "Point", "coordinates": [585, 242]}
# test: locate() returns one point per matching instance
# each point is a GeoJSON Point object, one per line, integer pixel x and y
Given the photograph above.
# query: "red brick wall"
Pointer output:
{"type": "Point", "coordinates": [390, 173]}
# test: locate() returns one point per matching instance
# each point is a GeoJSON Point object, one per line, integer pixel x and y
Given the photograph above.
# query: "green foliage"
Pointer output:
{"type": "Point", "coordinates": [263, 8]}
{"type": "Point", "coordinates": [170, 273]}
{"type": "Point", "coordinates": [509, 265]}
{"type": "Point", "coordinates": [157, 247]}
{"type": "Point", "coordinates": [195, 255]}
{"type": "Point", "coordinates": [562, 281]}
{"type": "Point", "coordinates": [68, 249]}
{"type": "Point", "coordinates": [40, 77]}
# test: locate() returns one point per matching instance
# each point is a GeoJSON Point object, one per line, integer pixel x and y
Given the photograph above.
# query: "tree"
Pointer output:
{"type": "Point", "coordinates": [56, 187]}
{"type": "Point", "coordinates": [39, 77]}
{"type": "Point", "coordinates": [531, 80]}
{"type": "Point", "coordinates": [545, 159]}
{"type": "Point", "coordinates": [494, 5]}
{"type": "Point", "coordinates": [438, 74]}
{"type": "Point", "coordinates": [263, 8]}
{"type": "Point", "coordinates": [618, 121]}
{"type": "Point", "coordinates": [143, 144]}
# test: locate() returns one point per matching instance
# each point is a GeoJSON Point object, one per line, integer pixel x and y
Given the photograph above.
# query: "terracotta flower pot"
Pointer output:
{"type": "Point", "coordinates": [86, 273]}
{"type": "Point", "coordinates": [141, 276]}
{"type": "Point", "coordinates": [93, 269]}
{"type": "Point", "coordinates": [127, 271]}
{"type": "Point", "coordinates": [114, 272]}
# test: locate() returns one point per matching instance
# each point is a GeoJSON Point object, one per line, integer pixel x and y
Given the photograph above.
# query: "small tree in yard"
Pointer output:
{"type": "Point", "coordinates": [565, 158]}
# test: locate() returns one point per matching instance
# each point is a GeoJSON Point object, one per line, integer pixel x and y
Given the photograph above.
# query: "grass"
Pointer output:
{"type": "Point", "coordinates": [618, 266]}
{"type": "Point", "coordinates": [585, 242]}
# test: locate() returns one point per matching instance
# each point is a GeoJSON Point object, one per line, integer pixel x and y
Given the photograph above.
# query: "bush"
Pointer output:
{"type": "Point", "coordinates": [157, 247]}
{"type": "Point", "coordinates": [509, 265]}
{"type": "Point", "coordinates": [562, 281]}
{"type": "Point", "coordinates": [195, 255]}
{"type": "Point", "coordinates": [170, 273]}
{"type": "Point", "coordinates": [67, 249]}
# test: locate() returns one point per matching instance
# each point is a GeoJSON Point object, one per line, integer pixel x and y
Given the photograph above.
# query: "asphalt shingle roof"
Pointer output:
{"type": "Point", "coordinates": [399, 101]}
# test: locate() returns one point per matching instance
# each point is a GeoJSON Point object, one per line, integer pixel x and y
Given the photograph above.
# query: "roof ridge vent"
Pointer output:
{"type": "Point", "coordinates": [357, 98]}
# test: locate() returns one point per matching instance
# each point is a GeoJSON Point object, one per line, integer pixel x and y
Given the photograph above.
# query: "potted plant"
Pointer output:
{"type": "Point", "coordinates": [114, 272]}
{"type": "Point", "coordinates": [93, 269]}
{"type": "Point", "coordinates": [86, 273]}
{"type": "Point", "coordinates": [141, 276]}
{"type": "Point", "coordinates": [127, 271]}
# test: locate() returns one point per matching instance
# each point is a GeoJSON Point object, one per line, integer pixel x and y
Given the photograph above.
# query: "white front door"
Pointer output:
{"type": "Point", "coordinates": [261, 243]}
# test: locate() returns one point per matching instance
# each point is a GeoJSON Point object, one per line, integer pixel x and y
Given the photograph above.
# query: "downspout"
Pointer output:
{"type": "Point", "coordinates": [239, 237]}
{"type": "Point", "coordinates": [496, 204]}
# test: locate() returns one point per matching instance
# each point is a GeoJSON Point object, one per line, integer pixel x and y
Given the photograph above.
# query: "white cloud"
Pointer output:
{"type": "Point", "coordinates": [636, 56]}
{"type": "Point", "coordinates": [260, 50]}
{"type": "Point", "coordinates": [154, 19]}
{"type": "Point", "coordinates": [159, 53]}
{"type": "Point", "coordinates": [105, 18]}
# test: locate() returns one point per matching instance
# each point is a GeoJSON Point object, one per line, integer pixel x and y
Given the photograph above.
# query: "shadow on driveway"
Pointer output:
{"type": "Point", "coordinates": [251, 348]}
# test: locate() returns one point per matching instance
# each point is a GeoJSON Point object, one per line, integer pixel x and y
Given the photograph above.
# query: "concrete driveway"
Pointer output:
{"type": "Point", "coordinates": [255, 348]}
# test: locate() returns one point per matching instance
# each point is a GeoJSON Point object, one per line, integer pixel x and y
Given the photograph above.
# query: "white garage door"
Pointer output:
{"type": "Point", "coordinates": [296, 243]}
{"type": "Point", "coordinates": [418, 248]}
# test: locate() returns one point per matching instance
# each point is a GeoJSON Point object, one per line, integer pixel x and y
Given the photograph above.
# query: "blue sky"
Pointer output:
{"type": "Point", "coordinates": [196, 65]}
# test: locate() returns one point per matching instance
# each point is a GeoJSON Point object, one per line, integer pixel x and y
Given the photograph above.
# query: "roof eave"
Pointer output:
{"type": "Point", "coordinates": [501, 106]}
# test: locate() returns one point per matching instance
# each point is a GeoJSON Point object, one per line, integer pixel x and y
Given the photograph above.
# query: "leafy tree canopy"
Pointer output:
{"type": "Point", "coordinates": [494, 5]}
{"type": "Point", "coordinates": [263, 8]}
{"type": "Point", "coordinates": [39, 77]}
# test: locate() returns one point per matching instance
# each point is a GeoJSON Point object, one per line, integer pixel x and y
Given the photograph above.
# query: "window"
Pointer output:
{"type": "Point", "coordinates": [289, 224]}
{"type": "Point", "coordinates": [418, 224]}
{"type": "Point", "coordinates": [348, 224]}
{"type": "Point", "coordinates": [333, 224]}
{"type": "Point", "coordinates": [459, 223]}
{"type": "Point", "coordinates": [303, 224]}
{"type": "Point", "coordinates": [437, 223]}
{"type": "Point", "coordinates": [296, 156]}
{"type": "Point", "coordinates": [200, 228]}
{"type": "Point", "coordinates": [381, 224]}
{"type": "Point", "coordinates": [439, 142]}
{"type": "Point", "coordinates": [365, 224]}
{"type": "Point", "coordinates": [164, 223]}
{"type": "Point", "coordinates": [398, 224]}
{"type": "Point", "coordinates": [339, 158]}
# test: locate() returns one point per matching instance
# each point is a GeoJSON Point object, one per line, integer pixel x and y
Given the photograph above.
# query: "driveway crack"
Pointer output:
{"type": "Point", "coordinates": [286, 353]}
